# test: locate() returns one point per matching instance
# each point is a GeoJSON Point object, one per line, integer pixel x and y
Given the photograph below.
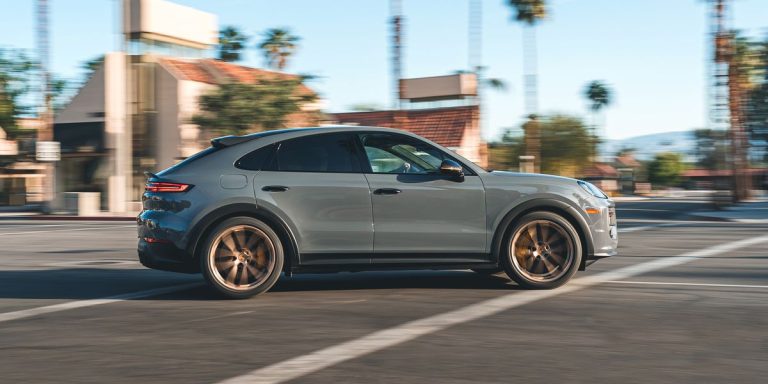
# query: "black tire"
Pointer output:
{"type": "Point", "coordinates": [530, 266]}
{"type": "Point", "coordinates": [261, 252]}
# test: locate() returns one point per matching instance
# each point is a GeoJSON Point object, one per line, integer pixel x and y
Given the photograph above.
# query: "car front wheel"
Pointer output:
{"type": "Point", "coordinates": [242, 257]}
{"type": "Point", "coordinates": [543, 251]}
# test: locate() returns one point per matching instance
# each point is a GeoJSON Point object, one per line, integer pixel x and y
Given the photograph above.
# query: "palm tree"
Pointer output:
{"type": "Point", "coordinates": [529, 13]}
{"type": "Point", "coordinates": [278, 45]}
{"type": "Point", "coordinates": [599, 96]}
{"type": "Point", "coordinates": [231, 42]}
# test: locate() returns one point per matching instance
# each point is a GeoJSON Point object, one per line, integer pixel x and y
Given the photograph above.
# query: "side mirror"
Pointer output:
{"type": "Point", "coordinates": [452, 169]}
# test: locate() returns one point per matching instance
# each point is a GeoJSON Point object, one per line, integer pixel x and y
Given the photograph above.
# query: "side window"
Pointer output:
{"type": "Point", "coordinates": [388, 153]}
{"type": "Point", "coordinates": [317, 153]}
{"type": "Point", "coordinates": [256, 160]}
{"type": "Point", "coordinates": [382, 161]}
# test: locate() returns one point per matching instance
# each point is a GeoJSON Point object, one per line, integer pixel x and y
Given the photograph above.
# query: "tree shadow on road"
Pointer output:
{"type": "Point", "coordinates": [392, 280]}
{"type": "Point", "coordinates": [92, 283]}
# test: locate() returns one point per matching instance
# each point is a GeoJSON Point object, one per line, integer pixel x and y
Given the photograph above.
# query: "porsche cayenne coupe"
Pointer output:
{"type": "Point", "coordinates": [328, 199]}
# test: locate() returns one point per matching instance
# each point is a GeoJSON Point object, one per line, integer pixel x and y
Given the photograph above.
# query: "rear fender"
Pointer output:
{"type": "Point", "coordinates": [210, 220]}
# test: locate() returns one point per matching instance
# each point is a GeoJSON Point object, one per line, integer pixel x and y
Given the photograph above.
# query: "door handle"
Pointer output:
{"type": "Point", "coordinates": [386, 191]}
{"type": "Point", "coordinates": [275, 188]}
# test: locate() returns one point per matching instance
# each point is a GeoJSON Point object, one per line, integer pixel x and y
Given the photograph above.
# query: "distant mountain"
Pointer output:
{"type": "Point", "coordinates": [646, 146]}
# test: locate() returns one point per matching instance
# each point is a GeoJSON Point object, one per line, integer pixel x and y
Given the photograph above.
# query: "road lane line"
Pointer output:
{"type": "Point", "coordinates": [3, 226]}
{"type": "Point", "coordinates": [646, 227]}
{"type": "Point", "coordinates": [68, 230]}
{"type": "Point", "coordinates": [25, 313]}
{"type": "Point", "coordinates": [686, 284]}
{"type": "Point", "coordinates": [315, 361]}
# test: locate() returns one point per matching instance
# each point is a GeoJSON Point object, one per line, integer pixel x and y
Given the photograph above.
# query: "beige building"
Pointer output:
{"type": "Point", "coordinates": [135, 112]}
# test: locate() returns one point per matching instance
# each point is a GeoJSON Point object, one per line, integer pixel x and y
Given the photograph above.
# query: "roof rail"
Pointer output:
{"type": "Point", "coordinates": [230, 140]}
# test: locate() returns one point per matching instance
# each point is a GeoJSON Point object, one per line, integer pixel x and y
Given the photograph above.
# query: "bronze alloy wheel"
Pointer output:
{"type": "Point", "coordinates": [542, 251]}
{"type": "Point", "coordinates": [242, 257]}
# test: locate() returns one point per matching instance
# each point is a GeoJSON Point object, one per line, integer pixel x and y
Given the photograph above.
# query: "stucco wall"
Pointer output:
{"type": "Point", "coordinates": [167, 131]}
{"type": "Point", "coordinates": [192, 139]}
{"type": "Point", "coordinates": [87, 105]}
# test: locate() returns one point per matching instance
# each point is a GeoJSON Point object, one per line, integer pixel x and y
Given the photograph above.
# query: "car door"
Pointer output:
{"type": "Point", "coordinates": [315, 182]}
{"type": "Point", "coordinates": [419, 214]}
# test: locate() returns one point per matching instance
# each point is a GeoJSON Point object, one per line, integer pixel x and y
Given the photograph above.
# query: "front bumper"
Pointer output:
{"type": "Point", "coordinates": [605, 234]}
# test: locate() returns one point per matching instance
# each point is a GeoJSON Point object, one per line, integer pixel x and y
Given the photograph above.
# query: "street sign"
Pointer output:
{"type": "Point", "coordinates": [48, 151]}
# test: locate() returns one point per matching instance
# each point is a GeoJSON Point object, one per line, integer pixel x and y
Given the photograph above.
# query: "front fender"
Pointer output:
{"type": "Point", "coordinates": [554, 203]}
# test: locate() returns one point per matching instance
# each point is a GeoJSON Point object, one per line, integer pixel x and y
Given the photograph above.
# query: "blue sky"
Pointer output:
{"type": "Point", "coordinates": [652, 52]}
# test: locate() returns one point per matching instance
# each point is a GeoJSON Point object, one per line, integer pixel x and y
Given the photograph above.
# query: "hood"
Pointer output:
{"type": "Point", "coordinates": [529, 177]}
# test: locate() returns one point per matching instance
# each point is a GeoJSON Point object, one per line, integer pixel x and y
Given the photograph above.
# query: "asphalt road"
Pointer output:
{"type": "Point", "coordinates": [645, 316]}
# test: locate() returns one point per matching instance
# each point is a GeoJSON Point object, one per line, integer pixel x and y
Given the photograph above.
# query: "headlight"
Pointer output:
{"type": "Point", "coordinates": [592, 189]}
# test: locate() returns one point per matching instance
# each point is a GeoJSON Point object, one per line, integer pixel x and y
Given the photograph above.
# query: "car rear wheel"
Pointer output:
{"type": "Point", "coordinates": [543, 251]}
{"type": "Point", "coordinates": [242, 257]}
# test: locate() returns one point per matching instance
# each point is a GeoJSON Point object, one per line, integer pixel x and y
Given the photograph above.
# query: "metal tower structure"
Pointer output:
{"type": "Point", "coordinates": [719, 112]}
{"type": "Point", "coordinates": [727, 96]}
{"type": "Point", "coordinates": [475, 36]}
{"type": "Point", "coordinates": [396, 11]}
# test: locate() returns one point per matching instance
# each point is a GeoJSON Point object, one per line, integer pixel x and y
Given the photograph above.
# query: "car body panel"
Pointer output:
{"type": "Point", "coordinates": [330, 211]}
{"type": "Point", "coordinates": [508, 191]}
{"type": "Point", "coordinates": [431, 214]}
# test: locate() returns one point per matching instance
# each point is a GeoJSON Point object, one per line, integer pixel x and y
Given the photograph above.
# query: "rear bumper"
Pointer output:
{"type": "Point", "coordinates": [166, 257]}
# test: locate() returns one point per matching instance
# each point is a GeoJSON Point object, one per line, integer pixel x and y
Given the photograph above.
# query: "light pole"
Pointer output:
{"type": "Point", "coordinates": [45, 128]}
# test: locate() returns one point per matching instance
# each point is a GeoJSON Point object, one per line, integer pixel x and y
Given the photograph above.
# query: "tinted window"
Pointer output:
{"type": "Point", "coordinates": [317, 153]}
{"type": "Point", "coordinates": [256, 160]}
{"type": "Point", "coordinates": [388, 153]}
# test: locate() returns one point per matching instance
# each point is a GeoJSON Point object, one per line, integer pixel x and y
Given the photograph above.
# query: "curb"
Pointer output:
{"type": "Point", "coordinates": [69, 218]}
{"type": "Point", "coordinates": [729, 219]}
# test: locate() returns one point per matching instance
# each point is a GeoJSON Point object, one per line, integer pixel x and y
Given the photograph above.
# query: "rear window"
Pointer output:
{"type": "Point", "coordinates": [329, 153]}
{"type": "Point", "coordinates": [256, 160]}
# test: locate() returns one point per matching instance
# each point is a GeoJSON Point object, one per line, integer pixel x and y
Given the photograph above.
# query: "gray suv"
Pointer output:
{"type": "Point", "coordinates": [324, 199]}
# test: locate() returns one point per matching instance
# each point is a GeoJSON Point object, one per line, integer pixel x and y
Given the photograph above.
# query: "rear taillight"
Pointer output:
{"type": "Point", "coordinates": [158, 186]}
{"type": "Point", "coordinates": [153, 240]}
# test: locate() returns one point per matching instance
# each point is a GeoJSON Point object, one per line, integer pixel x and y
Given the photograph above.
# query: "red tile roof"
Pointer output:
{"type": "Point", "coordinates": [190, 70]}
{"type": "Point", "coordinates": [445, 126]}
{"type": "Point", "coordinates": [721, 172]}
{"type": "Point", "coordinates": [601, 170]}
{"type": "Point", "coordinates": [216, 72]}
{"type": "Point", "coordinates": [627, 161]}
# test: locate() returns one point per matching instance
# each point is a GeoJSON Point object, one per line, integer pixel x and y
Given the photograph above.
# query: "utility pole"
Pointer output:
{"type": "Point", "coordinates": [396, 11]}
{"type": "Point", "coordinates": [531, 127]}
{"type": "Point", "coordinates": [475, 36]}
{"type": "Point", "coordinates": [45, 114]}
{"type": "Point", "coordinates": [475, 54]}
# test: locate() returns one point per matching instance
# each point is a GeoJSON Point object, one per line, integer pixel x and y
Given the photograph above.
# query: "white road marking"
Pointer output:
{"type": "Point", "coordinates": [303, 365]}
{"type": "Point", "coordinates": [646, 227]}
{"type": "Point", "coordinates": [687, 284]}
{"type": "Point", "coordinates": [98, 263]}
{"type": "Point", "coordinates": [25, 313]}
{"type": "Point", "coordinates": [3, 226]}
{"type": "Point", "coordinates": [68, 230]}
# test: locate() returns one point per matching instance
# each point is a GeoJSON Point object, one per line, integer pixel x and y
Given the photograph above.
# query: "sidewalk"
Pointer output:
{"type": "Point", "coordinates": [750, 212]}
{"type": "Point", "coordinates": [33, 213]}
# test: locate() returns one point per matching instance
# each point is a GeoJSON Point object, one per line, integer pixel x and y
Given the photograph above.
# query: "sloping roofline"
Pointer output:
{"type": "Point", "coordinates": [228, 141]}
